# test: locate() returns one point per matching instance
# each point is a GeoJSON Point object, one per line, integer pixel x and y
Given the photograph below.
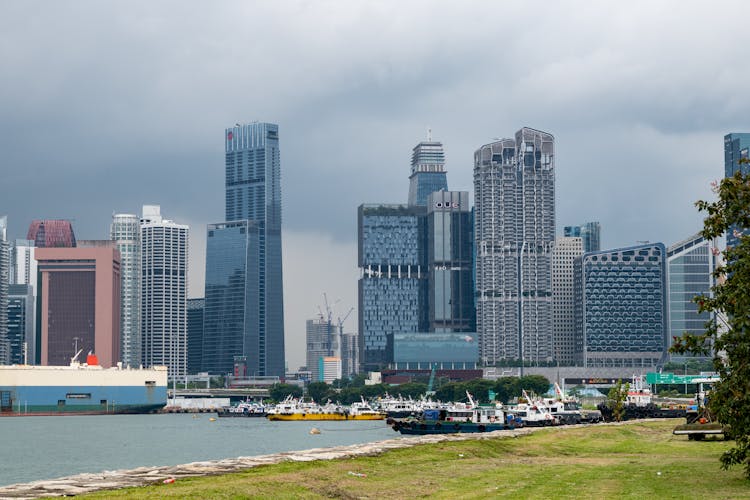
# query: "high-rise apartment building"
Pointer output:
{"type": "Point", "coordinates": [125, 232]}
{"type": "Point", "coordinates": [23, 263]}
{"type": "Point", "coordinates": [164, 259]}
{"type": "Point", "coordinates": [736, 148]}
{"type": "Point", "coordinates": [78, 304]}
{"type": "Point", "coordinates": [514, 191]}
{"type": "Point", "coordinates": [621, 306]}
{"type": "Point", "coordinates": [51, 234]}
{"type": "Point", "coordinates": [4, 282]}
{"type": "Point", "coordinates": [253, 198]}
{"type": "Point", "coordinates": [450, 263]}
{"type": "Point", "coordinates": [567, 348]}
{"type": "Point", "coordinates": [321, 343]}
{"type": "Point", "coordinates": [393, 277]}
{"type": "Point", "coordinates": [427, 172]}
{"type": "Point", "coordinates": [590, 234]}
{"type": "Point", "coordinates": [691, 265]}
{"type": "Point", "coordinates": [195, 308]}
{"type": "Point", "coordinates": [21, 324]}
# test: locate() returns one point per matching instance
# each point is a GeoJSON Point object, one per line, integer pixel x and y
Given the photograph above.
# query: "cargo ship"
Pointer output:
{"type": "Point", "coordinates": [81, 388]}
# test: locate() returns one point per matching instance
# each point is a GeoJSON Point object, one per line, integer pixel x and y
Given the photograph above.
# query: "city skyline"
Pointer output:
{"type": "Point", "coordinates": [628, 119]}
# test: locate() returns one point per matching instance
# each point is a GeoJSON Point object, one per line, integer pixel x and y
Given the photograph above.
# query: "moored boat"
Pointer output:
{"type": "Point", "coordinates": [81, 388]}
{"type": "Point", "coordinates": [244, 409]}
{"type": "Point", "coordinates": [447, 421]}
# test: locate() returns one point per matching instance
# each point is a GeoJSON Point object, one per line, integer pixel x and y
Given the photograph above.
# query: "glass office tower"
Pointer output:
{"type": "Point", "coordinates": [566, 345]}
{"type": "Point", "coordinates": [393, 278]}
{"type": "Point", "coordinates": [691, 265]}
{"type": "Point", "coordinates": [621, 306]}
{"type": "Point", "coordinates": [450, 263]}
{"type": "Point", "coordinates": [195, 309]}
{"type": "Point", "coordinates": [253, 205]}
{"type": "Point", "coordinates": [231, 320]}
{"type": "Point", "coordinates": [427, 172]}
{"type": "Point", "coordinates": [590, 234]}
{"type": "Point", "coordinates": [514, 225]}
{"type": "Point", "coordinates": [736, 148]}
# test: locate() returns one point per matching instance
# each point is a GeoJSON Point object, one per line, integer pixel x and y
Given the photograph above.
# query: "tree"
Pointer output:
{"type": "Point", "coordinates": [280, 391]}
{"type": "Point", "coordinates": [729, 304]}
{"type": "Point", "coordinates": [616, 400]}
{"type": "Point", "coordinates": [319, 391]}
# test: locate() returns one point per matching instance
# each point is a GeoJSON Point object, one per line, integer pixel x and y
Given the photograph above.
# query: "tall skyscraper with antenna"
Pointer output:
{"type": "Point", "coordinates": [428, 173]}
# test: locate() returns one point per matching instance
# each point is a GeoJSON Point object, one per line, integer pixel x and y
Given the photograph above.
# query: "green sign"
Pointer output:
{"type": "Point", "coordinates": [670, 378]}
{"type": "Point", "coordinates": [491, 395]}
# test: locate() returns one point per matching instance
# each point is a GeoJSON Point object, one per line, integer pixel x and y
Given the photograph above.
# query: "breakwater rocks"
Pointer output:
{"type": "Point", "coordinates": [144, 476]}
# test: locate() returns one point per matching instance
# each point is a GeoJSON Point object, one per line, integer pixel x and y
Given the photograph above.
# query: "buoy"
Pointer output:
{"type": "Point", "coordinates": [212, 419]}
{"type": "Point", "coordinates": [169, 480]}
{"type": "Point", "coordinates": [314, 430]}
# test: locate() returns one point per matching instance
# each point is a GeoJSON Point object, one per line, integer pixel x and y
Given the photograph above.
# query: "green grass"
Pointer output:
{"type": "Point", "coordinates": [640, 460]}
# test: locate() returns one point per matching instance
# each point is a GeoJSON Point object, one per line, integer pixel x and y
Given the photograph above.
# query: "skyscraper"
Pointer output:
{"type": "Point", "coordinates": [590, 233]}
{"type": "Point", "coordinates": [231, 316]}
{"type": "Point", "coordinates": [4, 282]}
{"type": "Point", "coordinates": [78, 304]}
{"type": "Point", "coordinates": [566, 346]}
{"type": "Point", "coordinates": [691, 265]}
{"type": "Point", "coordinates": [125, 231]}
{"type": "Point", "coordinates": [736, 148]}
{"type": "Point", "coordinates": [450, 263]}
{"type": "Point", "coordinates": [393, 277]}
{"type": "Point", "coordinates": [320, 336]}
{"type": "Point", "coordinates": [164, 257]}
{"type": "Point", "coordinates": [21, 323]}
{"type": "Point", "coordinates": [427, 172]}
{"type": "Point", "coordinates": [514, 190]}
{"type": "Point", "coordinates": [621, 306]}
{"type": "Point", "coordinates": [247, 274]}
{"type": "Point", "coordinates": [195, 308]}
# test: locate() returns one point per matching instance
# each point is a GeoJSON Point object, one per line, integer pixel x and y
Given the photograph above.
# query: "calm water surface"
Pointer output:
{"type": "Point", "coordinates": [48, 447]}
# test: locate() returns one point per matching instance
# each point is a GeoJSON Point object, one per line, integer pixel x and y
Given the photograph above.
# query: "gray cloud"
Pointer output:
{"type": "Point", "coordinates": [107, 106]}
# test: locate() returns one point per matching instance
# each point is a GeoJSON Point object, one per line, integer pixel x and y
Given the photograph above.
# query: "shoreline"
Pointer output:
{"type": "Point", "coordinates": [144, 476]}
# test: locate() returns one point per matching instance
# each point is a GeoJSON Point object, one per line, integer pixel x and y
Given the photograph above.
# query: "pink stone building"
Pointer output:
{"type": "Point", "coordinates": [79, 304]}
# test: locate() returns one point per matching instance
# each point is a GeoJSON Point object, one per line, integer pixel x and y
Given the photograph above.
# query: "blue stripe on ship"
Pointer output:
{"type": "Point", "coordinates": [104, 399]}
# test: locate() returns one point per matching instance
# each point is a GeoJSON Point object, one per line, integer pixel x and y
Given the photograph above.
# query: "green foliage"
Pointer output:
{"type": "Point", "coordinates": [729, 401]}
{"type": "Point", "coordinates": [280, 391]}
{"type": "Point", "coordinates": [320, 392]}
{"type": "Point", "coordinates": [616, 400]}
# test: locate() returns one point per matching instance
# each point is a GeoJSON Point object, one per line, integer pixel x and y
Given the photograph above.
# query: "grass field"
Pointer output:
{"type": "Point", "coordinates": [638, 460]}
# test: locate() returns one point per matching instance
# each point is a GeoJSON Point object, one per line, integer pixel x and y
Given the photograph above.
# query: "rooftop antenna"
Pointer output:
{"type": "Point", "coordinates": [429, 134]}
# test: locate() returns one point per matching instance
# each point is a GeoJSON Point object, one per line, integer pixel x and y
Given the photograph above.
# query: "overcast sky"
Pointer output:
{"type": "Point", "coordinates": [106, 106]}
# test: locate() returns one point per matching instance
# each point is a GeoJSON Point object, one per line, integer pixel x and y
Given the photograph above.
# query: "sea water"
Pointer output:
{"type": "Point", "coordinates": [36, 448]}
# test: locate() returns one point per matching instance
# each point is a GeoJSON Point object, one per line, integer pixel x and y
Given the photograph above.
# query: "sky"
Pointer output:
{"type": "Point", "coordinates": [107, 106]}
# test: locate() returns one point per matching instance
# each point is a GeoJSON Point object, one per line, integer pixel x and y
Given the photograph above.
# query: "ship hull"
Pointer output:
{"type": "Point", "coordinates": [41, 390]}
{"type": "Point", "coordinates": [423, 428]}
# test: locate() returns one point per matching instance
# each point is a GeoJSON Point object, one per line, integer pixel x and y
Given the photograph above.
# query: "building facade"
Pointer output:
{"type": "Point", "coordinates": [321, 343]}
{"type": "Point", "coordinates": [5, 345]}
{"type": "Point", "coordinates": [621, 306]}
{"type": "Point", "coordinates": [393, 277]}
{"type": "Point", "coordinates": [514, 225]}
{"type": "Point", "coordinates": [450, 303]}
{"type": "Point", "coordinates": [566, 346]}
{"type": "Point", "coordinates": [125, 232]}
{"type": "Point", "coordinates": [23, 263]}
{"type": "Point", "coordinates": [736, 148]}
{"type": "Point", "coordinates": [590, 234]}
{"type": "Point", "coordinates": [195, 309]}
{"type": "Point", "coordinates": [164, 260]}
{"type": "Point", "coordinates": [428, 350]}
{"type": "Point", "coordinates": [20, 324]}
{"type": "Point", "coordinates": [253, 194]}
{"type": "Point", "coordinates": [78, 304]}
{"type": "Point", "coordinates": [427, 172]}
{"type": "Point", "coordinates": [691, 264]}
{"type": "Point", "coordinates": [349, 354]}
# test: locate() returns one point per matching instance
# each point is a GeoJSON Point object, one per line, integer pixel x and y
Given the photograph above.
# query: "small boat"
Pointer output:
{"type": "Point", "coordinates": [363, 411]}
